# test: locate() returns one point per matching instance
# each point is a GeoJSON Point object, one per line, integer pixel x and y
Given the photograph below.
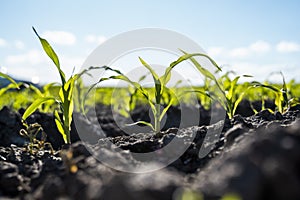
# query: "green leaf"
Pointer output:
{"type": "Point", "coordinates": [247, 76]}
{"type": "Point", "coordinates": [206, 93]}
{"type": "Point", "coordinates": [59, 126]}
{"type": "Point", "coordinates": [57, 117]}
{"type": "Point", "coordinates": [10, 79]}
{"type": "Point", "coordinates": [204, 71]}
{"type": "Point", "coordinates": [61, 130]}
{"type": "Point", "coordinates": [284, 90]}
{"type": "Point", "coordinates": [61, 94]}
{"type": "Point", "coordinates": [141, 122]}
{"type": "Point", "coordinates": [206, 56]}
{"type": "Point", "coordinates": [232, 88]}
{"type": "Point", "coordinates": [52, 55]}
{"type": "Point", "coordinates": [153, 73]}
{"type": "Point", "coordinates": [142, 78]}
{"type": "Point", "coordinates": [70, 113]}
{"type": "Point", "coordinates": [167, 75]}
{"type": "Point", "coordinates": [278, 102]}
{"type": "Point", "coordinates": [165, 109]}
{"type": "Point", "coordinates": [158, 84]}
{"type": "Point", "coordinates": [69, 87]}
{"type": "Point", "coordinates": [34, 106]}
{"type": "Point", "coordinates": [47, 87]}
{"type": "Point", "coordinates": [237, 102]}
{"type": "Point", "coordinates": [87, 71]}
{"type": "Point", "coordinates": [258, 84]}
{"type": "Point", "coordinates": [36, 90]}
{"type": "Point", "coordinates": [10, 86]}
{"type": "Point", "coordinates": [137, 86]}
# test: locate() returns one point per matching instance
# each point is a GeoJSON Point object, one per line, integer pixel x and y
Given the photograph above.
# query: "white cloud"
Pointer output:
{"type": "Point", "coordinates": [59, 37]}
{"type": "Point", "coordinates": [260, 72]}
{"type": "Point", "coordinates": [19, 44]}
{"type": "Point", "coordinates": [95, 39]}
{"type": "Point", "coordinates": [36, 57]}
{"type": "Point", "coordinates": [239, 52]}
{"type": "Point", "coordinates": [28, 66]}
{"type": "Point", "coordinates": [285, 47]}
{"type": "Point", "coordinates": [215, 51]}
{"type": "Point", "coordinates": [2, 42]}
{"type": "Point", "coordinates": [32, 57]}
{"type": "Point", "coordinates": [260, 47]}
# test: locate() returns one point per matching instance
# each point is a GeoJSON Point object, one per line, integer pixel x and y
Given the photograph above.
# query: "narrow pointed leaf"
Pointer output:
{"type": "Point", "coordinates": [153, 73]}
{"type": "Point", "coordinates": [157, 81]}
{"type": "Point", "coordinates": [10, 86]}
{"type": "Point", "coordinates": [141, 122]}
{"type": "Point", "coordinates": [10, 79]}
{"type": "Point", "coordinates": [166, 109]}
{"type": "Point", "coordinates": [232, 88]}
{"type": "Point", "coordinates": [52, 55]}
{"type": "Point", "coordinates": [59, 125]}
{"type": "Point", "coordinates": [35, 105]}
{"type": "Point", "coordinates": [204, 71]}
{"type": "Point", "coordinates": [36, 90]}
{"type": "Point", "coordinates": [258, 84]}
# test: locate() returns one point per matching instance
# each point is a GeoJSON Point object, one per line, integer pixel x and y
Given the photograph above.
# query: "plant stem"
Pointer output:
{"type": "Point", "coordinates": [156, 118]}
{"type": "Point", "coordinates": [66, 119]}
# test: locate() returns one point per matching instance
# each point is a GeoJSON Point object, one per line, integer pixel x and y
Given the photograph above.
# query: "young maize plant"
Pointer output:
{"type": "Point", "coordinates": [65, 97]}
{"type": "Point", "coordinates": [160, 87]}
{"type": "Point", "coordinates": [283, 100]}
{"type": "Point", "coordinates": [227, 96]}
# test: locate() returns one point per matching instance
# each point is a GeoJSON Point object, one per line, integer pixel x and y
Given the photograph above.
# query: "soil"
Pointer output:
{"type": "Point", "coordinates": [256, 156]}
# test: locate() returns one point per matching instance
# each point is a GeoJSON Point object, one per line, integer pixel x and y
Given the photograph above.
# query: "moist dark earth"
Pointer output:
{"type": "Point", "coordinates": [255, 156]}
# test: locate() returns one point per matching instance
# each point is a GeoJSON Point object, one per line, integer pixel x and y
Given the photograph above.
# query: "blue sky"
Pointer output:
{"type": "Point", "coordinates": [249, 37]}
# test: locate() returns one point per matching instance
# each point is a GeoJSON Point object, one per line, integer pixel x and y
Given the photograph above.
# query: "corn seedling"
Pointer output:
{"type": "Point", "coordinates": [65, 96]}
{"type": "Point", "coordinates": [226, 94]}
{"type": "Point", "coordinates": [233, 96]}
{"type": "Point", "coordinates": [160, 88]}
{"type": "Point", "coordinates": [30, 132]}
{"type": "Point", "coordinates": [282, 100]}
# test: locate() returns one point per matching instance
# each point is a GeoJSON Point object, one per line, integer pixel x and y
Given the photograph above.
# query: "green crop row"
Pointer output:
{"type": "Point", "coordinates": [17, 99]}
{"type": "Point", "coordinates": [71, 94]}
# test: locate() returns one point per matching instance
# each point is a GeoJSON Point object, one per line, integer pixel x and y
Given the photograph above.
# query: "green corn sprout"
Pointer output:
{"type": "Point", "coordinates": [282, 100]}
{"type": "Point", "coordinates": [233, 96]}
{"type": "Point", "coordinates": [31, 131]}
{"type": "Point", "coordinates": [227, 96]}
{"type": "Point", "coordinates": [160, 87]}
{"type": "Point", "coordinates": [65, 99]}
{"type": "Point", "coordinates": [65, 95]}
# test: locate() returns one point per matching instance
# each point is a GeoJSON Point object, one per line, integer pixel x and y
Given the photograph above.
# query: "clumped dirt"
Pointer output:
{"type": "Point", "coordinates": [256, 156]}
